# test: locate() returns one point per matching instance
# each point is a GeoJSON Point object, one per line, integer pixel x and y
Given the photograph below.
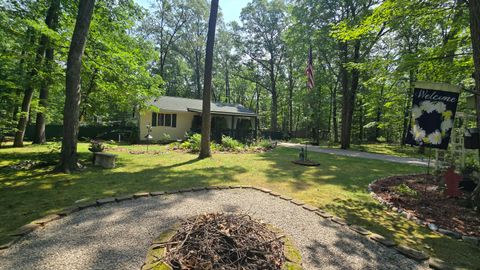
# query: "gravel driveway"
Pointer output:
{"type": "Point", "coordinates": [117, 236]}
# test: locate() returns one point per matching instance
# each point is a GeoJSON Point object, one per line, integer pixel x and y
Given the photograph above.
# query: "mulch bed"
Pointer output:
{"type": "Point", "coordinates": [430, 204]}
{"type": "Point", "coordinates": [224, 241]}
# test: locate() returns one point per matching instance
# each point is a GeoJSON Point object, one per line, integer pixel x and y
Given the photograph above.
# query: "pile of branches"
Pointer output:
{"type": "Point", "coordinates": [223, 241]}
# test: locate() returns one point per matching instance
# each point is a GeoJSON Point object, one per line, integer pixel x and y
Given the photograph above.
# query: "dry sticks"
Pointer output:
{"type": "Point", "coordinates": [223, 241]}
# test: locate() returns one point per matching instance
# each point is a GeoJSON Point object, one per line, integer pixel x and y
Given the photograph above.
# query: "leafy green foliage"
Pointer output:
{"type": "Point", "coordinates": [403, 189]}
{"type": "Point", "coordinates": [230, 144]}
{"type": "Point", "coordinates": [192, 143]}
{"type": "Point", "coordinates": [96, 146]}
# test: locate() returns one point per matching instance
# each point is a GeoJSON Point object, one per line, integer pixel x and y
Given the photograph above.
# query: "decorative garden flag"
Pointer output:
{"type": "Point", "coordinates": [433, 112]}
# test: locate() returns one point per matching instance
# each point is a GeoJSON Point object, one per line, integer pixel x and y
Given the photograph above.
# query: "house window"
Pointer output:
{"type": "Point", "coordinates": [174, 120]}
{"type": "Point", "coordinates": [168, 120]}
{"type": "Point", "coordinates": [164, 120]}
{"type": "Point", "coordinates": [161, 119]}
{"type": "Point", "coordinates": [154, 119]}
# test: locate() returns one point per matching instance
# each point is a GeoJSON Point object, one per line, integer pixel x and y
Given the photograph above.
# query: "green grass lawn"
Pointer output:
{"type": "Point", "coordinates": [339, 185]}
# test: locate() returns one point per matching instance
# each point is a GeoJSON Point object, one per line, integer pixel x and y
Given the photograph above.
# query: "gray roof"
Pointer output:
{"type": "Point", "coordinates": [195, 105]}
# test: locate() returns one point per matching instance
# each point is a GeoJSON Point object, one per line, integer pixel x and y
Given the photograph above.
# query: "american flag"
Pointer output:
{"type": "Point", "coordinates": [309, 70]}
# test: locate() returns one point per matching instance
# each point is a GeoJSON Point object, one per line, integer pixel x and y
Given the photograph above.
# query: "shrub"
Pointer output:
{"type": "Point", "coordinates": [133, 137]}
{"type": "Point", "coordinates": [192, 143]}
{"type": "Point", "coordinates": [265, 144]}
{"type": "Point", "coordinates": [96, 146]}
{"type": "Point", "coordinates": [405, 190]}
{"type": "Point", "coordinates": [54, 147]}
{"type": "Point", "coordinates": [230, 144]}
{"type": "Point", "coordinates": [165, 139]}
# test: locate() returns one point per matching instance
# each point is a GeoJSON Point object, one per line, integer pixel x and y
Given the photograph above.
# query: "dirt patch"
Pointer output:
{"type": "Point", "coordinates": [423, 196]}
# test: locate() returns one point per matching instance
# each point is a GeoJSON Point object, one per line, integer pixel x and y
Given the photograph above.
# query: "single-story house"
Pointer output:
{"type": "Point", "coordinates": [174, 117]}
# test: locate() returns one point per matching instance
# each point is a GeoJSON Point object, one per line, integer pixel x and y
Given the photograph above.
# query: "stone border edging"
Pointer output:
{"type": "Point", "coordinates": [431, 226]}
{"type": "Point", "coordinates": [417, 255]}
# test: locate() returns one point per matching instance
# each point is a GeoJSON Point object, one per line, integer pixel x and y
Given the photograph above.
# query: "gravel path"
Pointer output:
{"type": "Point", "coordinates": [359, 154]}
{"type": "Point", "coordinates": [117, 235]}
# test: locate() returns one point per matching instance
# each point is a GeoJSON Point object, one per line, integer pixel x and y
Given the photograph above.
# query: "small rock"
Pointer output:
{"type": "Point", "coordinates": [310, 207]}
{"type": "Point", "coordinates": [323, 214]}
{"type": "Point", "coordinates": [340, 221]}
{"type": "Point", "coordinates": [395, 209]}
{"type": "Point", "coordinates": [25, 229]}
{"type": "Point", "coordinates": [438, 264]}
{"type": "Point", "coordinates": [412, 253]}
{"type": "Point", "coordinates": [8, 244]}
{"type": "Point", "coordinates": [432, 227]}
{"type": "Point", "coordinates": [265, 190]}
{"type": "Point", "coordinates": [274, 194]}
{"type": "Point", "coordinates": [157, 193]}
{"type": "Point", "coordinates": [124, 198]}
{"type": "Point", "coordinates": [296, 202]}
{"type": "Point", "coordinates": [46, 219]}
{"type": "Point", "coordinates": [360, 230]}
{"type": "Point", "coordinates": [87, 205]}
{"type": "Point", "coordinates": [450, 233]}
{"type": "Point", "coordinates": [382, 240]}
{"type": "Point", "coordinates": [470, 239]}
{"type": "Point", "coordinates": [286, 198]}
{"type": "Point", "coordinates": [105, 200]}
{"type": "Point", "coordinates": [189, 189]}
{"type": "Point", "coordinates": [68, 211]}
{"type": "Point", "coordinates": [140, 194]}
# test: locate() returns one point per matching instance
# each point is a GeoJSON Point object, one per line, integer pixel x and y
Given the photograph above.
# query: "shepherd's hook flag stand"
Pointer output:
{"type": "Point", "coordinates": [432, 117]}
{"type": "Point", "coordinates": [148, 136]}
{"type": "Point", "coordinates": [310, 84]}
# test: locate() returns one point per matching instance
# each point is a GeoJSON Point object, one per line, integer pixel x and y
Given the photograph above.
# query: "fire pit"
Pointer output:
{"type": "Point", "coordinates": [221, 241]}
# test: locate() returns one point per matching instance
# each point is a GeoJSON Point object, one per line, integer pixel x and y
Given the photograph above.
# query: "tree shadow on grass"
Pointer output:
{"type": "Point", "coordinates": [83, 230]}
{"type": "Point", "coordinates": [27, 195]}
{"type": "Point", "coordinates": [351, 174]}
{"type": "Point", "coordinates": [378, 219]}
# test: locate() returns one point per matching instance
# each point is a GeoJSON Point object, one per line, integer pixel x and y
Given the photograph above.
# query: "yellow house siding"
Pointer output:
{"type": "Point", "coordinates": [184, 123]}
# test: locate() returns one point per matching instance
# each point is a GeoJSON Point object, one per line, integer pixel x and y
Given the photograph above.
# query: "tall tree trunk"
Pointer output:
{"type": "Point", "coordinates": [360, 121]}
{"type": "Point", "coordinates": [408, 98]}
{"type": "Point", "coordinates": [273, 116]}
{"type": "Point", "coordinates": [257, 110]}
{"type": "Point", "coordinates": [334, 114]}
{"type": "Point", "coordinates": [290, 96]}
{"type": "Point", "coordinates": [51, 21]}
{"type": "Point", "coordinates": [28, 94]}
{"type": "Point", "coordinates": [197, 74]}
{"type": "Point", "coordinates": [227, 82]}
{"type": "Point", "coordinates": [474, 7]}
{"type": "Point", "coordinates": [87, 93]}
{"type": "Point", "coordinates": [347, 125]}
{"type": "Point", "coordinates": [378, 116]}
{"type": "Point", "coordinates": [207, 82]}
{"type": "Point", "coordinates": [345, 134]}
{"type": "Point", "coordinates": [21, 71]}
{"type": "Point", "coordinates": [69, 159]}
